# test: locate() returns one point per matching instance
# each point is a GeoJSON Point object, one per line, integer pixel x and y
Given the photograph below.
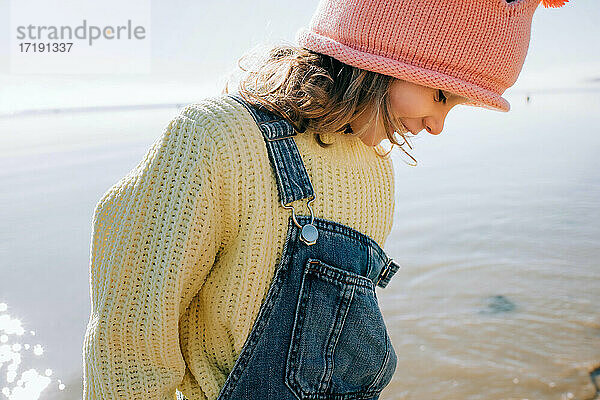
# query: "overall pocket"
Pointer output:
{"type": "Point", "coordinates": [340, 348]}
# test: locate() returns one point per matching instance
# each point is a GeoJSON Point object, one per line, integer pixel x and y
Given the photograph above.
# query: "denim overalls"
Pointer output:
{"type": "Point", "coordinates": [319, 333]}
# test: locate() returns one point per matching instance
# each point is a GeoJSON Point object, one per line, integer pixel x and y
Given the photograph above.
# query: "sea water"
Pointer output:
{"type": "Point", "coordinates": [497, 230]}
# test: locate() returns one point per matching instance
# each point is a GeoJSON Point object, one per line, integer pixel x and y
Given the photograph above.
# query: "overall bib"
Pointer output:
{"type": "Point", "coordinates": [319, 333]}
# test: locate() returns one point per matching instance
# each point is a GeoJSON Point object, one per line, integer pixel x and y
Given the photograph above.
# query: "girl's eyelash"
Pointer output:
{"type": "Point", "coordinates": [442, 98]}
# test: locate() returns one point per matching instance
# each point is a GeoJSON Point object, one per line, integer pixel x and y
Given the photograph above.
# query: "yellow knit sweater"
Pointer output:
{"type": "Point", "coordinates": [184, 248]}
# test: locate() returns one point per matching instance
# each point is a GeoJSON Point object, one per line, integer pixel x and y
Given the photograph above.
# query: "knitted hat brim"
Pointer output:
{"type": "Point", "coordinates": [476, 96]}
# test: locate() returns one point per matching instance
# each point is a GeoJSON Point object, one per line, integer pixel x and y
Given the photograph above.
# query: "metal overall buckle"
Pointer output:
{"type": "Point", "coordinates": [308, 232]}
{"type": "Point", "coordinates": [391, 267]}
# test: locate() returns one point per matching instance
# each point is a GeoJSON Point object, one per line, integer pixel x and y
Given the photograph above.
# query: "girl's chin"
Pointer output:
{"type": "Point", "coordinates": [369, 141]}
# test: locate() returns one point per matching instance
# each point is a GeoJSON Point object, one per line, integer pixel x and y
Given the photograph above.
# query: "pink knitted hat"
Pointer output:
{"type": "Point", "coordinates": [473, 48]}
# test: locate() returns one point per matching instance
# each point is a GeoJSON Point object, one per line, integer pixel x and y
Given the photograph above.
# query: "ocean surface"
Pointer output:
{"type": "Point", "coordinates": [497, 230]}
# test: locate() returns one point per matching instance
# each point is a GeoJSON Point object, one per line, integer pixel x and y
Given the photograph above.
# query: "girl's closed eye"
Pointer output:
{"type": "Point", "coordinates": [441, 97]}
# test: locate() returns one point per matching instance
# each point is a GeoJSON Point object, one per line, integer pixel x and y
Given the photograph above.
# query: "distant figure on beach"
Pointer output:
{"type": "Point", "coordinates": [239, 259]}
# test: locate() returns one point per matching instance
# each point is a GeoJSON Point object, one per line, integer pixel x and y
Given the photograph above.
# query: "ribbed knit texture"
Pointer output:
{"type": "Point", "coordinates": [475, 49]}
{"type": "Point", "coordinates": [184, 248]}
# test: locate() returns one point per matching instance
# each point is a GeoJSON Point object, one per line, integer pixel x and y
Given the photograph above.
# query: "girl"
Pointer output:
{"type": "Point", "coordinates": [239, 258]}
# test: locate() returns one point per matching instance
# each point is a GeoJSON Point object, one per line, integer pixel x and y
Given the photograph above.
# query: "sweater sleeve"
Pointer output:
{"type": "Point", "coordinates": [155, 237]}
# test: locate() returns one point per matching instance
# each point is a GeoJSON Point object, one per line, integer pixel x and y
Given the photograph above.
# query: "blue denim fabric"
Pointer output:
{"type": "Point", "coordinates": [319, 333]}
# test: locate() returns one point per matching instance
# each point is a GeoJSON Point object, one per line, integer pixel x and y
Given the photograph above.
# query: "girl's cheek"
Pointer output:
{"type": "Point", "coordinates": [410, 106]}
{"type": "Point", "coordinates": [406, 109]}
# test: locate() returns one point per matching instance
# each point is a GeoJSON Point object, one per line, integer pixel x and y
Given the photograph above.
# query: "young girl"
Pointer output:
{"type": "Point", "coordinates": [239, 258]}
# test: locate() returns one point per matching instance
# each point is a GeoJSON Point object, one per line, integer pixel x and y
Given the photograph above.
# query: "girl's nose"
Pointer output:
{"type": "Point", "coordinates": [434, 124]}
{"type": "Point", "coordinates": [433, 127]}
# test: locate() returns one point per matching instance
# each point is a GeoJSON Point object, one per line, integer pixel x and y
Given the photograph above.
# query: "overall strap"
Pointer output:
{"type": "Point", "coordinates": [293, 181]}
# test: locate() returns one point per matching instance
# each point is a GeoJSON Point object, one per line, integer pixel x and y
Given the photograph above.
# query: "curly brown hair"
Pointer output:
{"type": "Point", "coordinates": [318, 92]}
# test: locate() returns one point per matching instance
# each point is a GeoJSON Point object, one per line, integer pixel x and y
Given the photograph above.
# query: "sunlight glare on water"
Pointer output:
{"type": "Point", "coordinates": [17, 382]}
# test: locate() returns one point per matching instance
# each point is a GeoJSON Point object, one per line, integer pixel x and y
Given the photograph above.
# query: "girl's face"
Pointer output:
{"type": "Point", "coordinates": [418, 107]}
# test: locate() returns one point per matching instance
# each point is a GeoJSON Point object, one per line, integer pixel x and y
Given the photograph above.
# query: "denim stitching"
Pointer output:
{"type": "Point", "coordinates": [372, 386]}
{"type": "Point", "coordinates": [292, 358]}
{"type": "Point", "coordinates": [349, 232]}
{"type": "Point", "coordinates": [369, 261]}
{"type": "Point", "coordinates": [339, 228]}
{"type": "Point", "coordinates": [332, 338]}
{"type": "Point", "coordinates": [348, 304]}
{"type": "Point", "coordinates": [282, 183]}
{"type": "Point", "coordinates": [341, 278]}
